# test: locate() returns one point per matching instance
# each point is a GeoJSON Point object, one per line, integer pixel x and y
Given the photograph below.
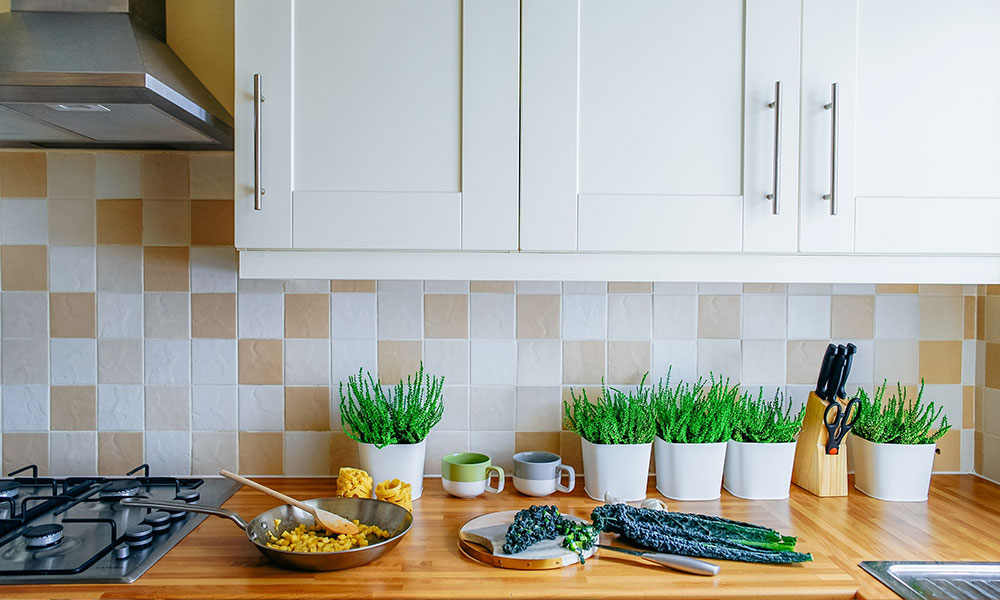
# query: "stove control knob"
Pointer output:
{"type": "Point", "coordinates": [121, 551]}
{"type": "Point", "coordinates": [189, 496]}
{"type": "Point", "coordinates": [159, 521]}
{"type": "Point", "coordinates": [139, 536]}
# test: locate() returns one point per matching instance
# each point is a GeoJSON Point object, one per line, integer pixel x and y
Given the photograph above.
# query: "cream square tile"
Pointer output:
{"type": "Point", "coordinates": [119, 408]}
{"type": "Point", "coordinates": [74, 361]}
{"type": "Point", "coordinates": [307, 286]}
{"type": "Point", "coordinates": [896, 360]}
{"type": "Point", "coordinates": [446, 287]}
{"type": "Point", "coordinates": [260, 316]}
{"type": "Point", "coordinates": [24, 314]}
{"type": "Point", "coordinates": [863, 367]}
{"type": "Point", "coordinates": [499, 445]}
{"type": "Point", "coordinates": [491, 316]}
{"type": "Point", "coordinates": [118, 174]}
{"type": "Point", "coordinates": [166, 315]}
{"type": "Point", "coordinates": [665, 287]}
{"type": "Point", "coordinates": [492, 408]}
{"type": "Point", "coordinates": [73, 222]}
{"type": "Point", "coordinates": [117, 451]}
{"type": "Point", "coordinates": [395, 286]}
{"type": "Point", "coordinates": [897, 317]}
{"type": "Point", "coordinates": [25, 408]}
{"type": "Point", "coordinates": [213, 451]}
{"type": "Point", "coordinates": [353, 315]}
{"type": "Point", "coordinates": [446, 316]}
{"type": "Point", "coordinates": [72, 269]}
{"type": "Point", "coordinates": [261, 408]}
{"type": "Point", "coordinates": [400, 316]}
{"type": "Point", "coordinates": [213, 270]}
{"type": "Point", "coordinates": [212, 175]}
{"type": "Point", "coordinates": [969, 362]}
{"type": "Point", "coordinates": [347, 356]}
{"type": "Point", "coordinates": [307, 362]}
{"type": "Point", "coordinates": [585, 287]}
{"type": "Point", "coordinates": [675, 316]}
{"type": "Point", "coordinates": [439, 444]}
{"type": "Point", "coordinates": [764, 316]}
{"type": "Point", "coordinates": [166, 223]}
{"type": "Point", "coordinates": [456, 409]}
{"type": "Point", "coordinates": [941, 317]}
{"type": "Point", "coordinates": [765, 288]}
{"type": "Point", "coordinates": [719, 316]}
{"type": "Point", "coordinates": [261, 286]}
{"type": "Point", "coordinates": [539, 408]}
{"type": "Point", "coordinates": [968, 451]}
{"type": "Point", "coordinates": [492, 287]}
{"type": "Point", "coordinates": [804, 357]}
{"type": "Point", "coordinates": [719, 288]}
{"type": "Point", "coordinates": [628, 361]}
{"type": "Point", "coordinates": [214, 408]}
{"type": "Point", "coordinates": [119, 361]}
{"type": "Point", "coordinates": [398, 360]}
{"type": "Point", "coordinates": [538, 316]}
{"type": "Point", "coordinates": [168, 362]}
{"type": "Point", "coordinates": [538, 287]}
{"type": "Point", "coordinates": [168, 407]}
{"type": "Point", "coordinates": [763, 362]}
{"type": "Point", "coordinates": [25, 221]}
{"type": "Point", "coordinates": [630, 316]}
{"type": "Point", "coordinates": [539, 362]}
{"type": "Point", "coordinates": [809, 317]}
{"type": "Point", "coordinates": [169, 452]}
{"type": "Point", "coordinates": [584, 316]}
{"type": "Point", "coordinates": [948, 398]}
{"type": "Point", "coordinates": [448, 359]}
{"type": "Point", "coordinates": [853, 317]}
{"type": "Point", "coordinates": [119, 315]}
{"type": "Point", "coordinates": [866, 289]}
{"type": "Point", "coordinates": [71, 175]}
{"type": "Point", "coordinates": [73, 453]}
{"type": "Point", "coordinates": [119, 269]}
{"type": "Point", "coordinates": [583, 362]}
{"type": "Point", "coordinates": [810, 288]}
{"type": "Point", "coordinates": [492, 362]}
{"type": "Point", "coordinates": [307, 453]}
{"type": "Point", "coordinates": [680, 357]}
{"type": "Point", "coordinates": [720, 357]}
{"type": "Point", "coordinates": [213, 362]}
{"type": "Point", "coordinates": [165, 176]}
{"type": "Point", "coordinates": [73, 408]}
{"type": "Point", "coordinates": [25, 361]}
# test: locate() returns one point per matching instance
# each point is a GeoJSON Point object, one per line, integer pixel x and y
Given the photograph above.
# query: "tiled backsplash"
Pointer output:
{"type": "Point", "coordinates": [987, 411]}
{"type": "Point", "coordinates": [127, 337]}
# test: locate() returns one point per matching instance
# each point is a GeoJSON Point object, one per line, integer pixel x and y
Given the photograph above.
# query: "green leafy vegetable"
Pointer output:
{"type": "Point", "coordinates": [405, 416]}
{"type": "Point", "coordinates": [765, 422]}
{"type": "Point", "coordinates": [898, 421]}
{"type": "Point", "coordinates": [695, 414]}
{"type": "Point", "coordinates": [615, 418]}
{"type": "Point", "coordinates": [538, 522]}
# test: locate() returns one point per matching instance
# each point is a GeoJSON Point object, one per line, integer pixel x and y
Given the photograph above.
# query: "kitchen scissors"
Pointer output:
{"type": "Point", "coordinates": [841, 423]}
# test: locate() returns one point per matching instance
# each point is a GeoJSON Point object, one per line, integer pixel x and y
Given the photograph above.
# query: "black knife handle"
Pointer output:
{"type": "Point", "coordinates": [836, 370]}
{"type": "Point", "coordinates": [848, 360]}
{"type": "Point", "coordinates": [824, 370]}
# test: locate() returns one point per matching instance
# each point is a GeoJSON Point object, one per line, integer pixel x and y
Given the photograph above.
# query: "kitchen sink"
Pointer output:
{"type": "Point", "coordinates": [938, 580]}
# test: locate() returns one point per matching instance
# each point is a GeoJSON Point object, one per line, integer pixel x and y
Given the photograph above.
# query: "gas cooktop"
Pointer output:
{"type": "Point", "coordinates": [75, 530]}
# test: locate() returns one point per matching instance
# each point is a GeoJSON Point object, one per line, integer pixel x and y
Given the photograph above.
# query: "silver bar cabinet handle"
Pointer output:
{"type": "Point", "coordinates": [258, 190]}
{"type": "Point", "coordinates": [833, 196]}
{"type": "Point", "coordinates": [776, 105]}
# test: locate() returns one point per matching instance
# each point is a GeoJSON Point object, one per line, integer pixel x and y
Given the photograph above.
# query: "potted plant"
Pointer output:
{"type": "Point", "coordinates": [616, 434]}
{"type": "Point", "coordinates": [693, 425]}
{"type": "Point", "coordinates": [761, 450]}
{"type": "Point", "coordinates": [391, 430]}
{"type": "Point", "coordinates": [894, 444]}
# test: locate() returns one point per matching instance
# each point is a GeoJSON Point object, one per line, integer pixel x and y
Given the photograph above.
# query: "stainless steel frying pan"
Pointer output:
{"type": "Point", "coordinates": [394, 519]}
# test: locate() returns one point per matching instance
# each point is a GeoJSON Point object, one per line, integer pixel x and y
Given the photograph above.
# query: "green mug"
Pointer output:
{"type": "Point", "coordinates": [467, 474]}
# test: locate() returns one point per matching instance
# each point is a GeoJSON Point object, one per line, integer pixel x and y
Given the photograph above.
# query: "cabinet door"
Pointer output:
{"type": "Point", "coordinates": [400, 128]}
{"type": "Point", "coordinates": [919, 144]}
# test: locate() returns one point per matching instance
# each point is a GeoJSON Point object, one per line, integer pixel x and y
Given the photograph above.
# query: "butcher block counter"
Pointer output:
{"type": "Point", "coordinates": [958, 522]}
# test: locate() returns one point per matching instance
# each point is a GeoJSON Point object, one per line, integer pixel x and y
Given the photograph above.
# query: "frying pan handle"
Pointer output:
{"type": "Point", "coordinates": [195, 508]}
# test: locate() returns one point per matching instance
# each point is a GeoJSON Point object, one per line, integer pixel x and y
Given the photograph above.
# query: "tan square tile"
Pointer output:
{"type": "Point", "coordinates": [446, 316]}
{"type": "Point", "coordinates": [352, 286]}
{"type": "Point", "coordinates": [993, 365]}
{"type": "Point", "coordinates": [536, 441]}
{"type": "Point", "coordinates": [212, 223]}
{"type": "Point", "coordinates": [168, 407]}
{"type": "Point", "coordinates": [628, 361]}
{"type": "Point", "coordinates": [307, 409]}
{"type": "Point", "coordinates": [23, 449]}
{"type": "Point", "coordinates": [765, 288]}
{"type": "Point", "coordinates": [119, 222]}
{"type": "Point", "coordinates": [165, 176]}
{"type": "Point", "coordinates": [941, 289]}
{"type": "Point", "coordinates": [538, 316]}
{"type": "Point", "coordinates": [72, 222]}
{"type": "Point", "coordinates": [260, 362]}
{"type": "Point", "coordinates": [212, 175]}
{"type": "Point", "coordinates": [719, 316]}
{"type": "Point", "coordinates": [23, 175]}
{"type": "Point", "coordinates": [969, 318]}
{"type": "Point", "coordinates": [72, 315]}
{"type": "Point", "coordinates": [949, 452]}
{"type": "Point", "coordinates": [213, 315]}
{"type": "Point", "coordinates": [980, 317]}
{"type": "Point", "coordinates": [262, 453]}
{"type": "Point", "coordinates": [166, 223]}
{"type": "Point", "coordinates": [307, 315]}
{"type": "Point", "coordinates": [70, 174]}
{"type": "Point", "coordinates": [73, 408]}
{"type": "Point", "coordinates": [492, 287]}
{"type": "Point", "coordinates": [803, 358]}
{"type": "Point", "coordinates": [991, 319]}
{"type": "Point", "coordinates": [991, 456]}
{"type": "Point", "coordinates": [853, 317]}
{"type": "Point", "coordinates": [896, 288]}
{"type": "Point", "coordinates": [24, 268]}
{"type": "Point", "coordinates": [165, 269]}
{"type": "Point", "coordinates": [630, 287]}
{"type": "Point", "coordinates": [397, 360]}
{"type": "Point", "coordinates": [978, 451]}
{"type": "Point", "coordinates": [571, 452]}
{"type": "Point", "coordinates": [583, 361]}
{"type": "Point", "coordinates": [343, 451]}
{"type": "Point", "coordinates": [993, 290]}
{"type": "Point", "coordinates": [968, 406]}
{"type": "Point", "coordinates": [941, 317]}
{"type": "Point", "coordinates": [941, 361]}
{"type": "Point", "coordinates": [118, 452]}
{"type": "Point", "coordinates": [211, 451]}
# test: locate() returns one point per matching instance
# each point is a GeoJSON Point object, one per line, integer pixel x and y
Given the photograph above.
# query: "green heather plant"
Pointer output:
{"type": "Point", "coordinates": [405, 416]}
{"type": "Point", "coordinates": [615, 418]}
{"type": "Point", "coordinates": [701, 413]}
{"type": "Point", "coordinates": [764, 421]}
{"type": "Point", "coordinates": [898, 421]}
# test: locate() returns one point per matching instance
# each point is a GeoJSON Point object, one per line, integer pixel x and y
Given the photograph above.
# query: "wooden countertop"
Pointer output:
{"type": "Point", "coordinates": [217, 561]}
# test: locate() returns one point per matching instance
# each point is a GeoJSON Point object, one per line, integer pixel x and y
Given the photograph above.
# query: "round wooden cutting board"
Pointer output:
{"type": "Point", "coordinates": [482, 538]}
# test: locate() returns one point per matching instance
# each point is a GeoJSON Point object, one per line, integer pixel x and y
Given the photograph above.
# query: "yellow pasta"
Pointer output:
{"type": "Point", "coordinates": [354, 483]}
{"type": "Point", "coordinates": [318, 539]}
{"type": "Point", "coordinates": [395, 491]}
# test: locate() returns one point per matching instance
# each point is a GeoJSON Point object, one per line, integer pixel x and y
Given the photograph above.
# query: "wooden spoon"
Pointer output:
{"type": "Point", "coordinates": [331, 521]}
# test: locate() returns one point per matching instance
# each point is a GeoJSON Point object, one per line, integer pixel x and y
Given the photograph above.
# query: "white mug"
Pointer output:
{"type": "Point", "coordinates": [538, 473]}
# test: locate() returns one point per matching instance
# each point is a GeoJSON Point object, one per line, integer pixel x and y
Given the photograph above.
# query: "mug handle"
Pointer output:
{"type": "Point", "coordinates": [571, 475]}
{"type": "Point", "coordinates": [500, 475]}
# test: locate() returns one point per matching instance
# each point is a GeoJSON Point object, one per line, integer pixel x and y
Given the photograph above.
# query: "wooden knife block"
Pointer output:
{"type": "Point", "coordinates": [816, 471]}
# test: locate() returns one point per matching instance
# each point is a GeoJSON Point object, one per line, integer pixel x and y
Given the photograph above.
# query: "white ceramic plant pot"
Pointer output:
{"type": "Point", "coordinates": [395, 461]}
{"type": "Point", "coordinates": [896, 472]}
{"type": "Point", "coordinates": [689, 471]}
{"type": "Point", "coordinates": [621, 470]}
{"type": "Point", "coordinates": [758, 471]}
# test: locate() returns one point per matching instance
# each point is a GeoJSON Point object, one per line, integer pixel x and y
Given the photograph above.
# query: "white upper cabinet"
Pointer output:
{"type": "Point", "coordinates": [385, 125]}
{"type": "Point", "coordinates": [918, 152]}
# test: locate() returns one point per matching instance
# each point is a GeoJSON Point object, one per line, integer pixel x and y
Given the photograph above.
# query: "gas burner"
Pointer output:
{"type": "Point", "coordinates": [159, 521]}
{"type": "Point", "coordinates": [139, 536]}
{"type": "Point", "coordinates": [189, 496]}
{"type": "Point", "coordinates": [42, 536]}
{"type": "Point", "coordinates": [121, 488]}
{"type": "Point", "coordinates": [9, 489]}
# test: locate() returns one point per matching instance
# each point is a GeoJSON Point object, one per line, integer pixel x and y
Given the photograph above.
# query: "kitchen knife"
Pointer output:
{"type": "Point", "coordinates": [836, 368]}
{"type": "Point", "coordinates": [848, 360]}
{"type": "Point", "coordinates": [824, 369]}
{"type": "Point", "coordinates": [674, 561]}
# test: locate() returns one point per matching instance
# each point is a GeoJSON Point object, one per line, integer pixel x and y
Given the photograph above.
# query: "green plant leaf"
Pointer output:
{"type": "Point", "coordinates": [404, 416]}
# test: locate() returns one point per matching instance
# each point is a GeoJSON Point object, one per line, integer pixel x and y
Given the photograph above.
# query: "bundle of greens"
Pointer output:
{"type": "Point", "coordinates": [694, 414]}
{"type": "Point", "coordinates": [898, 421]}
{"type": "Point", "coordinates": [615, 418]}
{"type": "Point", "coordinates": [405, 416]}
{"type": "Point", "coordinates": [537, 523]}
{"type": "Point", "coordinates": [765, 422]}
{"type": "Point", "coordinates": [697, 535]}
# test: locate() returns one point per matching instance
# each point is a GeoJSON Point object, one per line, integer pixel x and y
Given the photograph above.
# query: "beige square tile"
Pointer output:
{"type": "Point", "coordinates": [260, 362]}
{"type": "Point", "coordinates": [352, 286]}
{"type": "Point", "coordinates": [166, 223]}
{"type": "Point", "coordinates": [397, 360]}
{"type": "Point", "coordinates": [853, 317]}
{"type": "Point", "coordinates": [72, 315]}
{"type": "Point", "coordinates": [213, 316]}
{"type": "Point", "coordinates": [307, 409]}
{"type": "Point", "coordinates": [941, 317]}
{"type": "Point", "coordinates": [980, 317]}
{"type": "Point", "coordinates": [991, 319]}
{"type": "Point", "coordinates": [969, 317]}
{"type": "Point", "coordinates": [118, 175]}
{"type": "Point", "coordinates": [262, 453]}
{"type": "Point", "coordinates": [630, 287]}
{"type": "Point", "coordinates": [308, 453]}
{"type": "Point", "coordinates": [979, 418]}
{"type": "Point", "coordinates": [491, 287]}
{"type": "Point", "coordinates": [536, 441]}
{"type": "Point", "coordinates": [73, 408]}
{"type": "Point", "coordinates": [993, 290]}
{"type": "Point", "coordinates": [571, 452]}
{"type": "Point", "coordinates": [803, 358]}
{"type": "Point", "coordinates": [118, 452]}
{"type": "Point", "coordinates": [72, 222]}
{"type": "Point", "coordinates": [165, 316]}
{"type": "Point", "coordinates": [165, 176]}
{"type": "Point", "coordinates": [992, 365]}
{"type": "Point", "coordinates": [968, 406]}
{"type": "Point", "coordinates": [343, 451]}
{"type": "Point", "coordinates": [978, 439]}
{"type": "Point", "coordinates": [307, 315]}
{"type": "Point", "coordinates": [583, 361]}
{"type": "Point", "coordinates": [446, 316]}
{"type": "Point", "coordinates": [212, 223]}
{"type": "Point", "coordinates": [119, 361]}
{"type": "Point", "coordinates": [628, 361]}
{"type": "Point", "coordinates": [24, 268]}
{"type": "Point", "coordinates": [765, 288]}
{"type": "Point", "coordinates": [991, 456]}
{"type": "Point", "coordinates": [949, 452]}
{"type": "Point", "coordinates": [70, 174]}
{"type": "Point", "coordinates": [119, 222]}
{"type": "Point", "coordinates": [212, 175]}
{"type": "Point", "coordinates": [538, 316]}
{"type": "Point", "coordinates": [212, 451]}
{"type": "Point", "coordinates": [719, 316]}
{"type": "Point", "coordinates": [941, 361]}
{"type": "Point", "coordinates": [941, 289]}
{"type": "Point", "coordinates": [165, 269]}
{"type": "Point", "coordinates": [896, 288]}
{"type": "Point", "coordinates": [23, 175]}
{"type": "Point", "coordinates": [22, 449]}
{"type": "Point", "coordinates": [168, 408]}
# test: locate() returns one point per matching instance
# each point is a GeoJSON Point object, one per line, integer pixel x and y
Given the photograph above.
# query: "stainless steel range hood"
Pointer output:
{"type": "Point", "coordinates": [83, 74]}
